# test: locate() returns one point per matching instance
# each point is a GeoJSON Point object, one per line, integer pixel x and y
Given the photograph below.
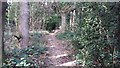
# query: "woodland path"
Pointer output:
{"type": "Point", "coordinates": [58, 55]}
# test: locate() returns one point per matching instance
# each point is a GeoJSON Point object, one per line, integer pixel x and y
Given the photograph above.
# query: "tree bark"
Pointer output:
{"type": "Point", "coordinates": [3, 6]}
{"type": "Point", "coordinates": [23, 27]}
{"type": "Point", "coordinates": [1, 34]}
{"type": "Point", "coordinates": [63, 24]}
{"type": "Point", "coordinates": [71, 20]}
{"type": "Point", "coordinates": [73, 23]}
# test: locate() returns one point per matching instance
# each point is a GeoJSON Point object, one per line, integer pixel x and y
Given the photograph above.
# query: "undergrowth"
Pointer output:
{"type": "Point", "coordinates": [68, 35]}
{"type": "Point", "coordinates": [24, 57]}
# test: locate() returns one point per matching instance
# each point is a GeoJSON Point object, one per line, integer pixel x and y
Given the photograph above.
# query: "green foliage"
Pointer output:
{"type": "Point", "coordinates": [66, 35]}
{"type": "Point", "coordinates": [13, 11]}
{"type": "Point", "coordinates": [53, 22]}
{"type": "Point", "coordinates": [22, 57]}
{"type": "Point", "coordinates": [95, 37]}
{"type": "Point", "coordinates": [36, 37]}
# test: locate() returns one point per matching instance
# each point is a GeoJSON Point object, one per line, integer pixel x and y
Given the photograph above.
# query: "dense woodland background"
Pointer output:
{"type": "Point", "coordinates": [92, 30]}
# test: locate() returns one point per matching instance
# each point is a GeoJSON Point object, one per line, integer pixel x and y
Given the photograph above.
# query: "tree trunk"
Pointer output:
{"type": "Point", "coordinates": [1, 34]}
{"type": "Point", "coordinates": [73, 23]}
{"type": "Point", "coordinates": [63, 24]}
{"type": "Point", "coordinates": [23, 27]}
{"type": "Point", "coordinates": [71, 20]}
{"type": "Point", "coordinates": [3, 6]}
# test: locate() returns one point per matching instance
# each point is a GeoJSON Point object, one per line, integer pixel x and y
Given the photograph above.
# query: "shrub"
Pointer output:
{"type": "Point", "coordinates": [22, 57]}
{"type": "Point", "coordinates": [68, 35]}
{"type": "Point", "coordinates": [53, 22]}
{"type": "Point", "coordinates": [95, 37]}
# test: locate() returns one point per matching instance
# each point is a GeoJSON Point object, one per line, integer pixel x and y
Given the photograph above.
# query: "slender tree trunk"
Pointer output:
{"type": "Point", "coordinates": [8, 21]}
{"type": "Point", "coordinates": [16, 22]}
{"type": "Point", "coordinates": [73, 23]}
{"type": "Point", "coordinates": [63, 24]}
{"type": "Point", "coordinates": [23, 27]}
{"type": "Point", "coordinates": [43, 24]}
{"type": "Point", "coordinates": [1, 34]}
{"type": "Point", "coordinates": [71, 20]}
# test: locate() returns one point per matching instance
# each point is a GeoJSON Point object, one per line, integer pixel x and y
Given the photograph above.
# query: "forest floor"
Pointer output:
{"type": "Point", "coordinates": [59, 54]}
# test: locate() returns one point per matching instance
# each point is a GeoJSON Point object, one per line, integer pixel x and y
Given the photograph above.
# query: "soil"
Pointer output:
{"type": "Point", "coordinates": [58, 54]}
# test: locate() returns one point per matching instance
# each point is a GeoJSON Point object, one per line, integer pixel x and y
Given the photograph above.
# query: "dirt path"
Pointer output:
{"type": "Point", "coordinates": [58, 55]}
